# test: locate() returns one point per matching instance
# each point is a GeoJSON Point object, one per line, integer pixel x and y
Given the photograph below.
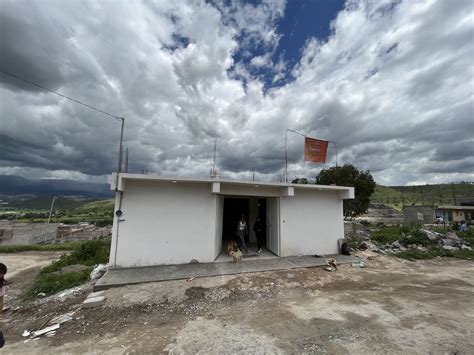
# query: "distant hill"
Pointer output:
{"type": "Point", "coordinates": [16, 185]}
{"type": "Point", "coordinates": [44, 203]}
{"type": "Point", "coordinates": [440, 194]}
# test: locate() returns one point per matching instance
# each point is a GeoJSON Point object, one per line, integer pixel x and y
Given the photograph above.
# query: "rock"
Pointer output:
{"type": "Point", "coordinates": [358, 264]}
{"type": "Point", "coordinates": [396, 245]}
{"type": "Point", "coordinates": [93, 302]}
{"type": "Point", "coordinates": [465, 247]}
{"type": "Point", "coordinates": [429, 234]}
{"type": "Point", "coordinates": [95, 294]}
{"type": "Point", "coordinates": [369, 246]}
{"type": "Point", "coordinates": [448, 247]}
{"type": "Point", "coordinates": [194, 261]}
{"type": "Point", "coordinates": [451, 239]}
{"type": "Point", "coordinates": [421, 248]}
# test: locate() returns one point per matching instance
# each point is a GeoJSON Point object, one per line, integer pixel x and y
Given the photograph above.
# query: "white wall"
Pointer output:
{"type": "Point", "coordinates": [166, 223]}
{"type": "Point", "coordinates": [311, 222]}
{"type": "Point", "coordinates": [218, 221]}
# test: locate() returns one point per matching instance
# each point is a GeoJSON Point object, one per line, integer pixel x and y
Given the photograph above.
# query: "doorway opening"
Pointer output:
{"type": "Point", "coordinates": [251, 208]}
{"type": "Point", "coordinates": [233, 209]}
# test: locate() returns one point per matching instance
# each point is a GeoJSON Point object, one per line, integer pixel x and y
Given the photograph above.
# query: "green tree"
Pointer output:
{"type": "Point", "coordinates": [349, 175]}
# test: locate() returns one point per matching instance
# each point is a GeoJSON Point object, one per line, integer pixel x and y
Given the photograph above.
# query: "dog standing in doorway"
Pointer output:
{"type": "Point", "coordinates": [236, 254]}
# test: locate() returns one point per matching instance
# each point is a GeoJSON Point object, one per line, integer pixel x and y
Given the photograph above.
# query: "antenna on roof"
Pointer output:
{"type": "Point", "coordinates": [214, 173]}
{"type": "Point", "coordinates": [126, 159]}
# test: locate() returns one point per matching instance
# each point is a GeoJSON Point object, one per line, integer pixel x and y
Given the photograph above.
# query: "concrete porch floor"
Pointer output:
{"type": "Point", "coordinates": [252, 254]}
{"type": "Point", "coordinates": [129, 276]}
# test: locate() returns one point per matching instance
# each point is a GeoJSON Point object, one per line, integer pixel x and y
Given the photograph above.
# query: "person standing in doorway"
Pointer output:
{"type": "Point", "coordinates": [258, 229]}
{"type": "Point", "coordinates": [242, 231]}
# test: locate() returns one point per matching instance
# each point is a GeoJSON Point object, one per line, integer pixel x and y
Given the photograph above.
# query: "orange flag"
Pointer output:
{"type": "Point", "coordinates": [315, 150]}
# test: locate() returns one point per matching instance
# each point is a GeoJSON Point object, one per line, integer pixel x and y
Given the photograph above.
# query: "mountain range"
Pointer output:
{"type": "Point", "coordinates": [15, 185]}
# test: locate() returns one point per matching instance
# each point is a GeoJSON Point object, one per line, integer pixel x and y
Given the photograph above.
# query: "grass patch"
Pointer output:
{"type": "Point", "coordinates": [388, 235]}
{"type": "Point", "coordinates": [53, 283]}
{"type": "Point", "coordinates": [414, 254]}
{"type": "Point", "coordinates": [39, 247]}
{"type": "Point", "coordinates": [468, 236]}
{"type": "Point", "coordinates": [87, 253]}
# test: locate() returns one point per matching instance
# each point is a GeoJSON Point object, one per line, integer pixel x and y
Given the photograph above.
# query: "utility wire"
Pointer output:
{"type": "Point", "coordinates": [59, 94]}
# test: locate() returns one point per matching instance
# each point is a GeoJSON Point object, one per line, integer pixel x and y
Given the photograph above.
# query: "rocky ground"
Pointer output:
{"type": "Point", "coordinates": [391, 306]}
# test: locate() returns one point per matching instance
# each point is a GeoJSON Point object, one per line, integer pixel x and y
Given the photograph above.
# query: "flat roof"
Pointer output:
{"type": "Point", "coordinates": [458, 208]}
{"type": "Point", "coordinates": [149, 177]}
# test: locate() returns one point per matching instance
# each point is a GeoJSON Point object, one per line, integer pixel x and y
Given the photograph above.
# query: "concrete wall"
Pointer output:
{"type": "Point", "coordinates": [12, 233]}
{"type": "Point", "coordinates": [165, 223]}
{"type": "Point", "coordinates": [311, 222]}
{"type": "Point", "coordinates": [418, 215]}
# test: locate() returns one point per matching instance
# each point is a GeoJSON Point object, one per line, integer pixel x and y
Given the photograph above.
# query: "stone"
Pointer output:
{"type": "Point", "coordinates": [396, 245]}
{"type": "Point", "coordinates": [369, 246]}
{"type": "Point", "coordinates": [429, 234]}
{"type": "Point", "coordinates": [451, 239]}
{"type": "Point", "coordinates": [95, 294]}
{"type": "Point", "coordinates": [465, 247]}
{"type": "Point", "coordinates": [93, 302]}
{"type": "Point", "coordinates": [448, 247]}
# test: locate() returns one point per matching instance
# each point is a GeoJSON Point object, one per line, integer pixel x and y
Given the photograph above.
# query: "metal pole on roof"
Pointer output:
{"type": "Point", "coordinates": [335, 146]}
{"type": "Point", "coordinates": [286, 150]}
{"type": "Point", "coordinates": [119, 168]}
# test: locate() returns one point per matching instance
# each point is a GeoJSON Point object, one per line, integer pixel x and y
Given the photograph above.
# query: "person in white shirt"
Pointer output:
{"type": "Point", "coordinates": [242, 231]}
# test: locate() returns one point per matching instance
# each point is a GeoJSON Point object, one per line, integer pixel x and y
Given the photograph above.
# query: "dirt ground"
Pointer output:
{"type": "Point", "coordinates": [392, 306]}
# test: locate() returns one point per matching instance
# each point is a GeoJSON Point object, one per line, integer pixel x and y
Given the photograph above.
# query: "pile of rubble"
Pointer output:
{"type": "Point", "coordinates": [446, 241]}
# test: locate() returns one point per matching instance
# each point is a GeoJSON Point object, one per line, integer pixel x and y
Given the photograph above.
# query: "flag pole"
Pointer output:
{"type": "Point", "coordinates": [335, 146]}
{"type": "Point", "coordinates": [286, 151]}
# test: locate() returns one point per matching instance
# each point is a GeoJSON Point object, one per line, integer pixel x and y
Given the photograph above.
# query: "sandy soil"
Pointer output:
{"type": "Point", "coordinates": [392, 306]}
{"type": "Point", "coordinates": [19, 262]}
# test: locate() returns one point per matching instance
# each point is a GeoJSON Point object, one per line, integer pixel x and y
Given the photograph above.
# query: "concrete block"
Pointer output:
{"type": "Point", "coordinates": [93, 302]}
{"type": "Point", "coordinates": [95, 294]}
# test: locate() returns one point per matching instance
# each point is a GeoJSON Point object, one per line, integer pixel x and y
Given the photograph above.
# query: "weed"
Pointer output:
{"type": "Point", "coordinates": [86, 253]}
{"type": "Point", "coordinates": [388, 235]}
{"type": "Point", "coordinates": [417, 237]}
{"type": "Point", "coordinates": [52, 283]}
{"type": "Point", "coordinates": [39, 247]}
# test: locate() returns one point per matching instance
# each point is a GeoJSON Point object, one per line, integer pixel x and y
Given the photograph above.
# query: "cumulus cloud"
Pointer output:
{"type": "Point", "coordinates": [392, 85]}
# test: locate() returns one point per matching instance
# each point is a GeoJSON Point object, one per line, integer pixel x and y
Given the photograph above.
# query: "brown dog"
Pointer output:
{"type": "Point", "coordinates": [231, 246]}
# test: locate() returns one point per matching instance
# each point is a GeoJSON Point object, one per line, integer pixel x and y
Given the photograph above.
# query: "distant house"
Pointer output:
{"type": "Point", "coordinates": [161, 220]}
{"type": "Point", "coordinates": [455, 213]}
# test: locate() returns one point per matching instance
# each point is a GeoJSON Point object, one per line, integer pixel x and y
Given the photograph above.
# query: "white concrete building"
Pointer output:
{"type": "Point", "coordinates": [175, 220]}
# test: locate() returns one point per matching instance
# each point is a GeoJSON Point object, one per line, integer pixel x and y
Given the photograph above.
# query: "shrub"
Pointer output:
{"type": "Point", "coordinates": [388, 235]}
{"type": "Point", "coordinates": [417, 237]}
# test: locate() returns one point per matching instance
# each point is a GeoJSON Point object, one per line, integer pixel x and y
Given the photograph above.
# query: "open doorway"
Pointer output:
{"type": "Point", "coordinates": [233, 209]}
{"type": "Point", "coordinates": [251, 208]}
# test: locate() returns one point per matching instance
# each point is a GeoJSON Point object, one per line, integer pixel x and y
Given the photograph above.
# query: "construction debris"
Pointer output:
{"type": "Point", "coordinates": [63, 318]}
{"type": "Point", "coordinates": [93, 302]}
{"type": "Point", "coordinates": [45, 330]}
{"type": "Point", "coordinates": [359, 264]}
{"type": "Point", "coordinates": [98, 271]}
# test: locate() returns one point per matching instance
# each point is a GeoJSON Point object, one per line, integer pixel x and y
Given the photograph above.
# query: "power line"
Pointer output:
{"type": "Point", "coordinates": [59, 94]}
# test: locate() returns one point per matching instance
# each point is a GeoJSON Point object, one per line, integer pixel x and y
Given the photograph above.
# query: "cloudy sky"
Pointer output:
{"type": "Point", "coordinates": [391, 82]}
